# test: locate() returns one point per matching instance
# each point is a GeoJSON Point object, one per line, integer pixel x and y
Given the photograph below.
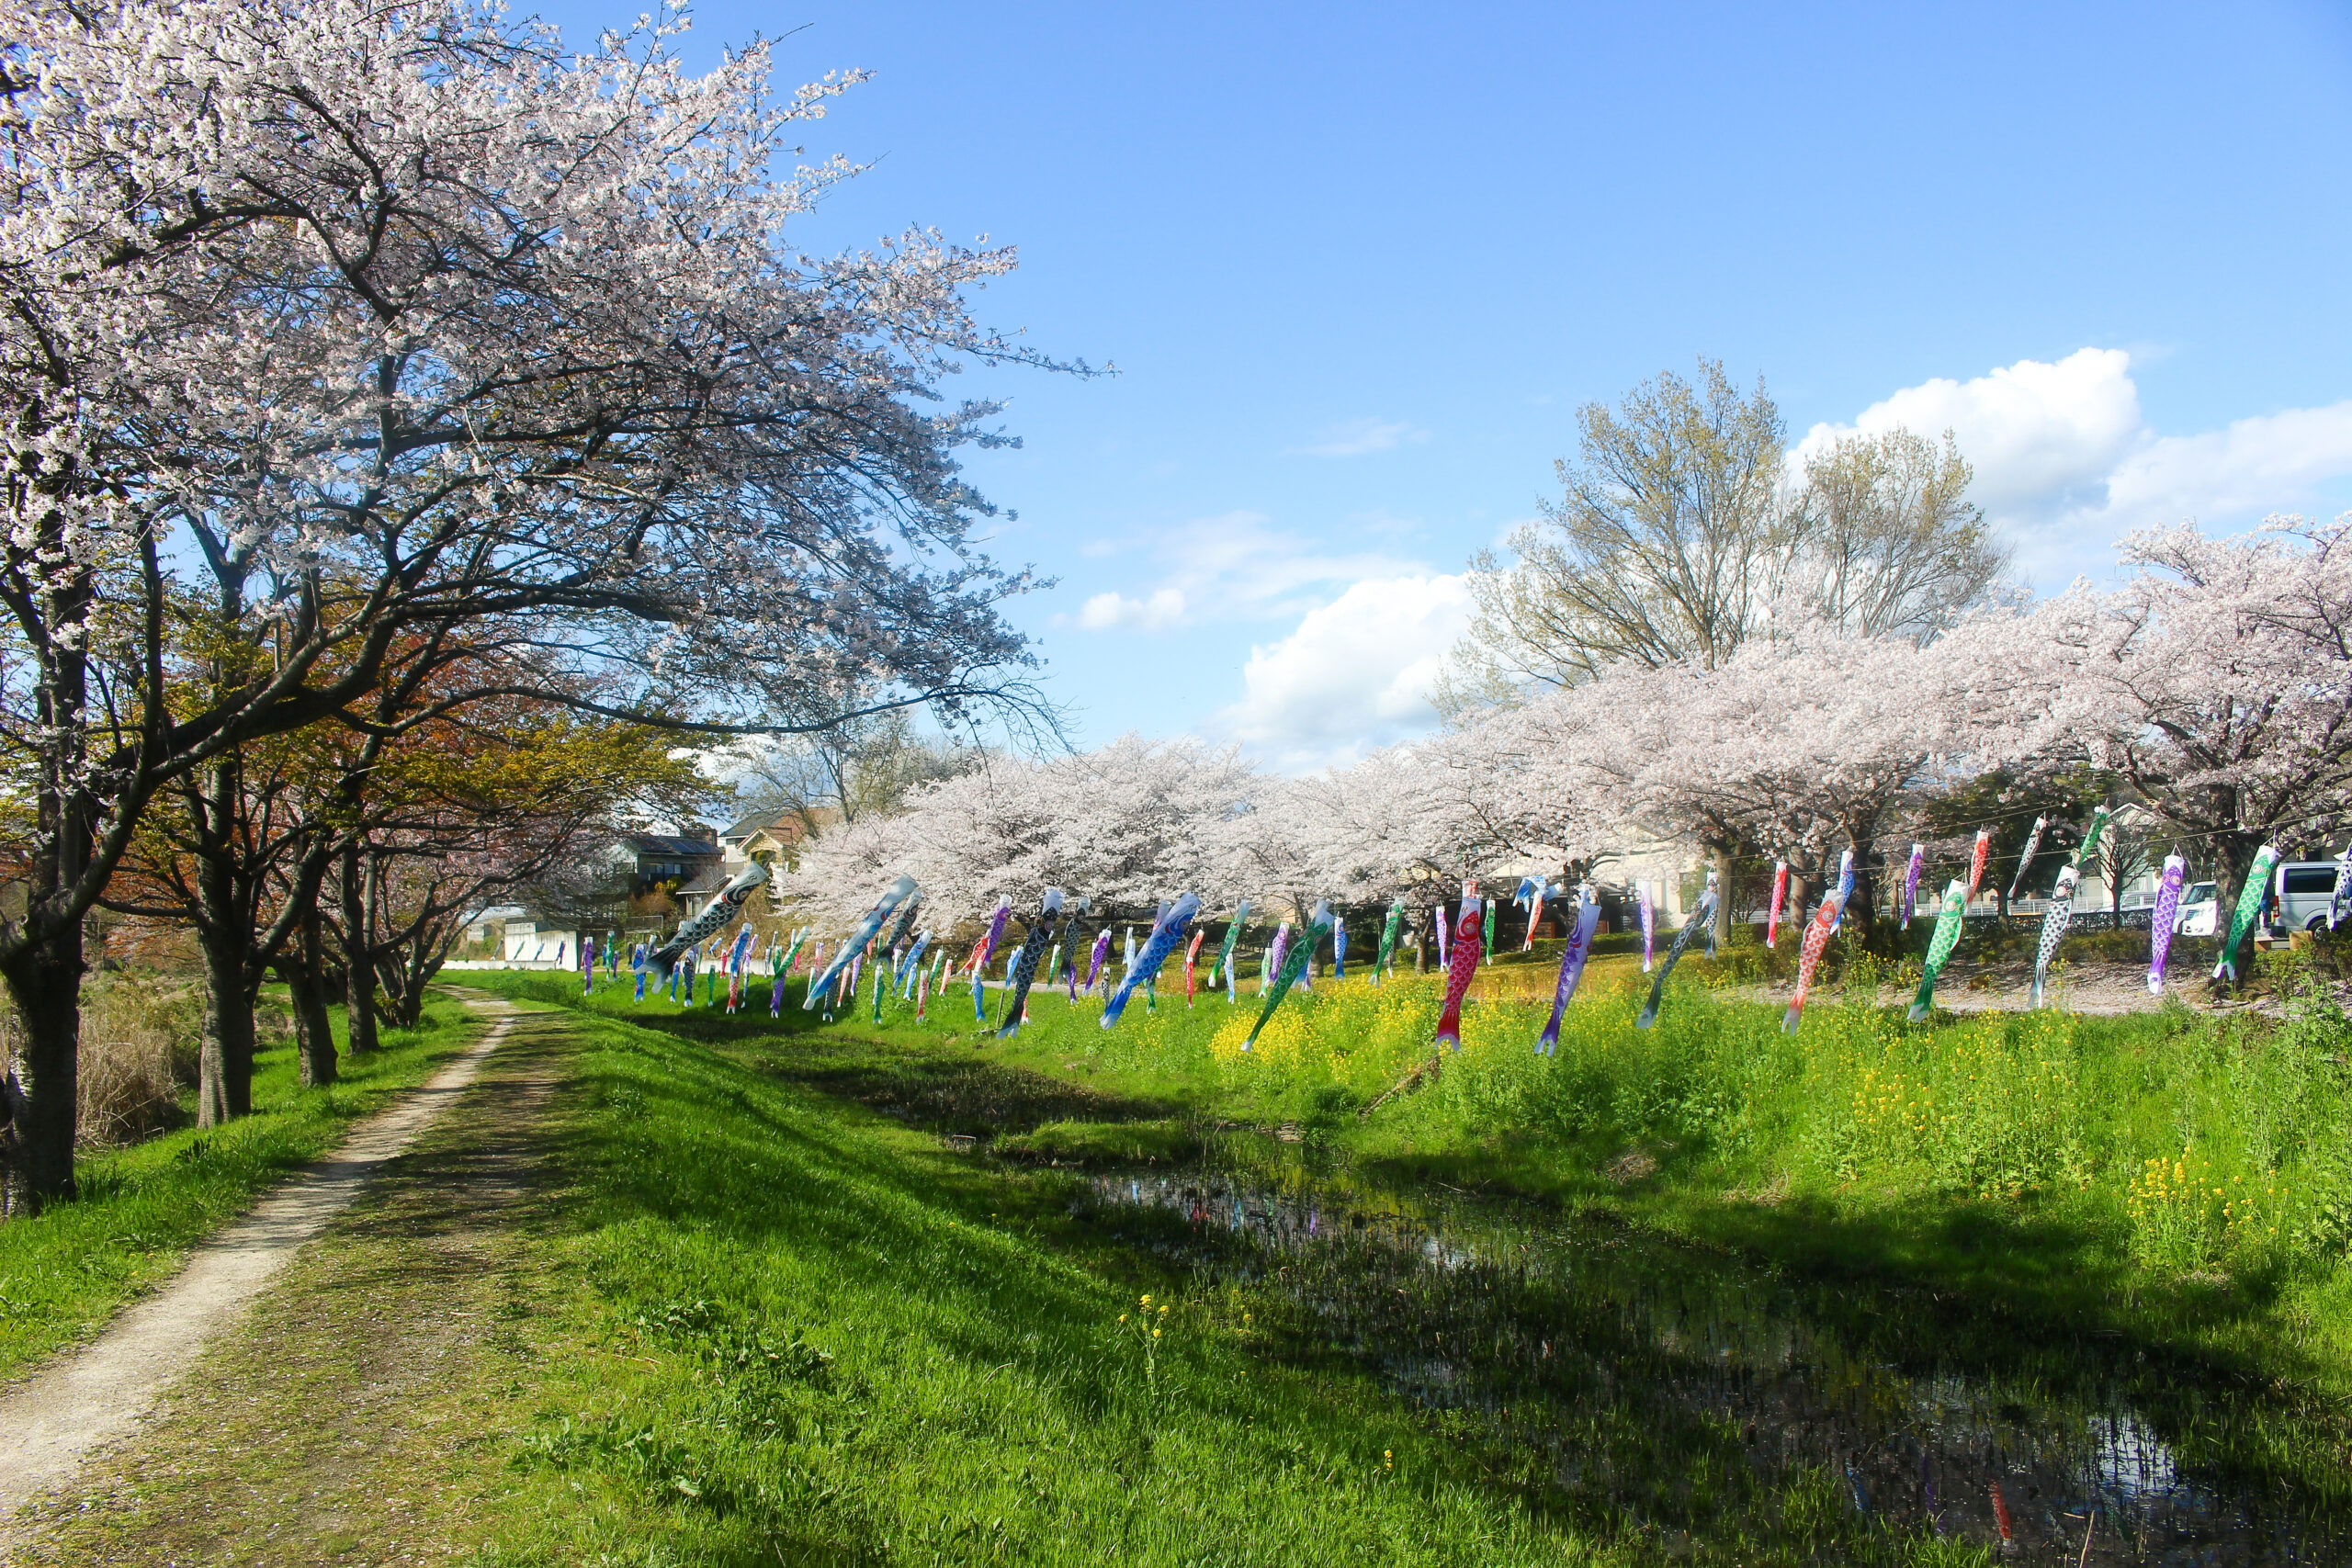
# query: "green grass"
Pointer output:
{"type": "Point", "coordinates": [804, 1331]}
{"type": "Point", "coordinates": [140, 1209]}
{"type": "Point", "coordinates": [1998, 1163]}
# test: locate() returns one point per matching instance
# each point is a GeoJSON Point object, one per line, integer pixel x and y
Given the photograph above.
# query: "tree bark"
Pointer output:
{"type": "Point", "coordinates": [359, 898]}
{"type": "Point", "coordinates": [44, 980]}
{"type": "Point", "coordinates": [224, 1071]}
{"type": "Point", "coordinates": [306, 985]}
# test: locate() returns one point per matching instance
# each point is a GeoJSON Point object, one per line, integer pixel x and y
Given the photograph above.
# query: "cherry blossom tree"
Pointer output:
{"type": "Point", "coordinates": [2216, 682]}
{"type": "Point", "coordinates": [333, 327]}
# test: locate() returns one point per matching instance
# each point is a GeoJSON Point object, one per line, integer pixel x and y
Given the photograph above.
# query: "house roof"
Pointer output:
{"type": "Point", "coordinates": [669, 844]}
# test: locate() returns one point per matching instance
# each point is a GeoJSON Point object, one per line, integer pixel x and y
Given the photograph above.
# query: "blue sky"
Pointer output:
{"type": "Point", "coordinates": [1358, 266]}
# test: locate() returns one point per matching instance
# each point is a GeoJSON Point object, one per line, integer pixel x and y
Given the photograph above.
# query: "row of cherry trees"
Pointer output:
{"type": "Point", "coordinates": [2214, 685]}
{"type": "Point", "coordinates": [364, 363]}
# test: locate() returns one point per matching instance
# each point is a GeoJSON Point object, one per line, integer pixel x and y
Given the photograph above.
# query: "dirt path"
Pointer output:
{"type": "Point", "coordinates": [51, 1425]}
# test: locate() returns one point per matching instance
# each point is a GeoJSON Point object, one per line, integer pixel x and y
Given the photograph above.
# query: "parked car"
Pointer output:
{"type": "Point", "coordinates": [2304, 888]}
{"type": "Point", "coordinates": [2200, 907]}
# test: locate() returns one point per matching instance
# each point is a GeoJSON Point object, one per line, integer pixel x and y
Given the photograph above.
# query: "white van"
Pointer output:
{"type": "Point", "coordinates": [2304, 888]}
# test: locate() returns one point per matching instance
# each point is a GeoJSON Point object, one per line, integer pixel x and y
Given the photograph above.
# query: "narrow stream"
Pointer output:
{"type": "Point", "coordinates": [1666, 1390]}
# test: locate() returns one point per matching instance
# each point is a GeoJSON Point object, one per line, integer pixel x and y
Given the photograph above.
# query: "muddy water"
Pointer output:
{"type": "Point", "coordinates": [1675, 1394]}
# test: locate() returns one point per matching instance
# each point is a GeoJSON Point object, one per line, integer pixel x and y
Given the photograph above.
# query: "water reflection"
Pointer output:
{"type": "Point", "coordinates": [1669, 1394]}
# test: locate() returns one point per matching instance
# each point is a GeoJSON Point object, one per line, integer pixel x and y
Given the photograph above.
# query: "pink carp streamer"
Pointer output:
{"type": "Point", "coordinates": [1649, 921]}
{"type": "Point", "coordinates": [1779, 901]}
{"type": "Point", "coordinates": [1459, 972]}
{"type": "Point", "coordinates": [1572, 961]}
{"type": "Point", "coordinates": [1911, 883]}
{"type": "Point", "coordinates": [1535, 915]}
{"type": "Point", "coordinates": [1978, 859]}
{"type": "Point", "coordinates": [1816, 940]}
{"type": "Point", "coordinates": [1192, 957]}
{"type": "Point", "coordinates": [2160, 919]}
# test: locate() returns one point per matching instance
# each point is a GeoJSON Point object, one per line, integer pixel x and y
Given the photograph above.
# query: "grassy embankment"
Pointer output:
{"type": "Point", "coordinates": [799, 1329]}
{"type": "Point", "coordinates": [141, 1208]}
{"type": "Point", "coordinates": [2179, 1183]}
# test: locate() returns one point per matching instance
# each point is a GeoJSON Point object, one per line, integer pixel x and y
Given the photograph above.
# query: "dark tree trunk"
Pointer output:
{"type": "Point", "coordinates": [1719, 857]}
{"type": "Point", "coordinates": [44, 980]}
{"type": "Point", "coordinates": [358, 898]}
{"type": "Point", "coordinates": [306, 985]}
{"type": "Point", "coordinates": [224, 932]}
{"type": "Point", "coordinates": [224, 1071]}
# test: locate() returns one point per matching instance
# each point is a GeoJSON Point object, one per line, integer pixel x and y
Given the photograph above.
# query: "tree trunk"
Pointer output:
{"type": "Point", "coordinates": [224, 1072]}
{"type": "Point", "coordinates": [44, 980]}
{"type": "Point", "coordinates": [225, 1088]}
{"type": "Point", "coordinates": [1719, 857]}
{"type": "Point", "coordinates": [306, 985]}
{"type": "Point", "coordinates": [359, 898]}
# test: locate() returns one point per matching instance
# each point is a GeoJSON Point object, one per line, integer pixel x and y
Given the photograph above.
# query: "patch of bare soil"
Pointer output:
{"type": "Point", "coordinates": [357, 1414]}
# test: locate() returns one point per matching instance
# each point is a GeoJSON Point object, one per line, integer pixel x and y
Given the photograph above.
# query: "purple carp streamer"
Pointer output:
{"type": "Point", "coordinates": [1816, 940]}
{"type": "Point", "coordinates": [2061, 913]}
{"type": "Point", "coordinates": [1094, 964]}
{"type": "Point", "coordinates": [2257, 884]}
{"type": "Point", "coordinates": [1458, 974]}
{"type": "Point", "coordinates": [1950, 922]}
{"type": "Point", "coordinates": [2161, 920]}
{"type": "Point", "coordinates": [1024, 971]}
{"type": "Point", "coordinates": [1437, 918]}
{"type": "Point", "coordinates": [1779, 901]}
{"type": "Point", "coordinates": [899, 891]}
{"type": "Point", "coordinates": [2032, 843]}
{"type": "Point", "coordinates": [1339, 950]}
{"type": "Point", "coordinates": [1167, 935]}
{"type": "Point", "coordinates": [1911, 883]}
{"type": "Point", "coordinates": [1572, 961]}
{"type": "Point", "coordinates": [714, 920]}
{"type": "Point", "coordinates": [1274, 951]}
{"type": "Point", "coordinates": [1700, 918]}
{"type": "Point", "coordinates": [1649, 921]}
{"type": "Point", "coordinates": [1318, 925]}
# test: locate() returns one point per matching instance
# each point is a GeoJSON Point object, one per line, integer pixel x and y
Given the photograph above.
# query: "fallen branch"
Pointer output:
{"type": "Point", "coordinates": [1429, 1070]}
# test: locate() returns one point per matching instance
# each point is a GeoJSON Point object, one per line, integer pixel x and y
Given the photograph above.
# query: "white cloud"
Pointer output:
{"type": "Point", "coordinates": [1105, 611]}
{"type": "Point", "coordinates": [1235, 565]}
{"type": "Point", "coordinates": [1355, 673]}
{"type": "Point", "coordinates": [2066, 463]}
{"type": "Point", "coordinates": [2036, 433]}
{"type": "Point", "coordinates": [1360, 438]}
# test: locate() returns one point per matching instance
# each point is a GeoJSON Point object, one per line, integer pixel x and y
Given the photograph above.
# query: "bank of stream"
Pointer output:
{"type": "Point", "coordinates": [1663, 1390]}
